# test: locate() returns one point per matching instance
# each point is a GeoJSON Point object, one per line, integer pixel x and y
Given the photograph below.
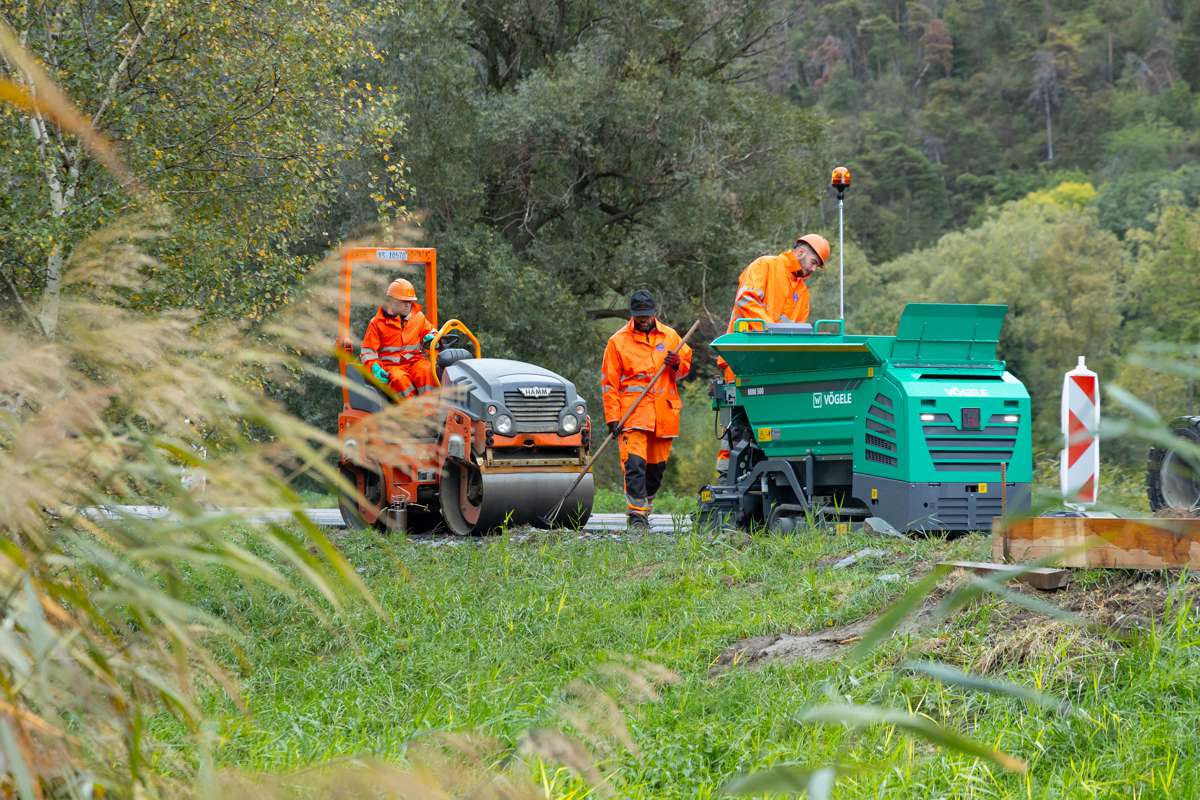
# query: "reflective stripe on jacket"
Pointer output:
{"type": "Point", "coordinates": [392, 340]}
{"type": "Point", "coordinates": [630, 360]}
{"type": "Point", "coordinates": [767, 291]}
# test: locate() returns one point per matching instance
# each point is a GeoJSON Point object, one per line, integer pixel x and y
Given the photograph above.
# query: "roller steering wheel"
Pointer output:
{"type": "Point", "coordinates": [454, 332]}
{"type": "Point", "coordinates": [451, 341]}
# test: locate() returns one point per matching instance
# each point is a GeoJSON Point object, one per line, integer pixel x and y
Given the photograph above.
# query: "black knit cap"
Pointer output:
{"type": "Point", "coordinates": [642, 304]}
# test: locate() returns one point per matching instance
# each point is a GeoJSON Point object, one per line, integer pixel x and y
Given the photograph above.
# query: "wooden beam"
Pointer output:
{"type": "Point", "coordinates": [1148, 543]}
{"type": "Point", "coordinates": [1045, 578]}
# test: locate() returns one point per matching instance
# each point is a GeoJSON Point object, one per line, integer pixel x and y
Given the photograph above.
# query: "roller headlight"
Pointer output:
{"type": "Point", "coordinates": [503, 425]}
{"type": "Point", "coordinates": [569, 423]}
{"type": "Point", "coordinates": [580, 410]}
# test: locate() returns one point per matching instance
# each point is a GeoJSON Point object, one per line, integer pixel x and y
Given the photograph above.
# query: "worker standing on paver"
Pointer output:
{"type": "Point", "coordinates": [392, 346]}
{"type": "Point", "coordinates": [775, 289]}
{"type": "Point", "coordinates": [632, 357]}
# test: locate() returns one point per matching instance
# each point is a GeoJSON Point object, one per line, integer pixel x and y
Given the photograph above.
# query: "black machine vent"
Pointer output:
{"type": "Point", "coordinates": [973, 512]}
{"type": "Point", "coordinates": [975, 447]}
{"type": "Point", "coordinates": [887, 416]}
{"type": "Point", "coordinates": [883, 436]}
{"type": "Point", "coordinates": [536, 413]}
{"type": "Point", "coordinates": [881, 443]}
{"type": "Point", "coordinates": [879, 427]}
{"type": "Point", "coordinates": [880, 458]}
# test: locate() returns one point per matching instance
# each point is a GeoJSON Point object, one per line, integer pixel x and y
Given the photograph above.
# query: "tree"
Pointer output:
{"type": "Point", "coordinates": [1188, 54]}
{"type": "Point", "coordinates": [235, 114]}
{"type": "Point", "coordinates": [1046, 93]}
{"type": "Point", "coordinates": [938, 47]}
{"type": "Point", "coordinates": [568, 153]}
{"type": "Point", "coordinates": [1136, 200]}
{"type": "Point", "coordinates": [1055, 268]}
{"type": "Point", "coordinates": [1165, 284]}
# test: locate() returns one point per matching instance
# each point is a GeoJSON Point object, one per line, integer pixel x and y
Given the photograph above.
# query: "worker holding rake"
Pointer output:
{"type": "Point", "coordinates": [393, 346]}
{"type": "Point", "coordinates": [632, 358]}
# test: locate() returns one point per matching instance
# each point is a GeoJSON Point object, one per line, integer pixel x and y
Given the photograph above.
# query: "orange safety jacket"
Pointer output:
{"type": "Point", "coordinates": [767, 291]}
{"type": "Point", "coordinates": [394, 341]}
{"type": "Point", "coordinates": [630, 360]}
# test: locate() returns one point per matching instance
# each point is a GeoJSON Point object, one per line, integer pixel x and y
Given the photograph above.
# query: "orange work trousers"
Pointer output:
{"type": "Point", "coordinates": [409, 378]}
{"type": "Point", "coordinates": [644, 462]}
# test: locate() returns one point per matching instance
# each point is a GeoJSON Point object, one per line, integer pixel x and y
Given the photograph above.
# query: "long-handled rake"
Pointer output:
{"type": "Point", "coordinates": [551, 517]}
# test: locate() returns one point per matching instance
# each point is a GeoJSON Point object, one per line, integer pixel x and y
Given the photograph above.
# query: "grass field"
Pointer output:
{"type": "Point", "coordinates": [484, 635]}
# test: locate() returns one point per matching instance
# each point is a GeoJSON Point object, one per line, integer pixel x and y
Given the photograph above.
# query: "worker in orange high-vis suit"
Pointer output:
{"type": "Point", "coordinates": [775, 289]}
{"type": "Point", "coordinates": [631, 358]}
{"type": "Point", "coordinates": [393, 346]}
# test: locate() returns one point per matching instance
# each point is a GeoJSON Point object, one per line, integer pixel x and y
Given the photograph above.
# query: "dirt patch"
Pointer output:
{"type": "Point", "coordinates": [1112, 606]}
{"type": "Point", "coordinates": [643, 570]}
{"type": "Point", "coordinates": [1123, 601]}
{"type": "Point", "coordinates": [758, 651]}
{"type": "Point", "coordinates": [1119, 603]}
{"type": "Point", "coordinates": [739, 582]}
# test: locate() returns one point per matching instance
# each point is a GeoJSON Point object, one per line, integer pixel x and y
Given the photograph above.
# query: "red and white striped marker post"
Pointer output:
{"type": "Point", "coordinates": [1080, 466]}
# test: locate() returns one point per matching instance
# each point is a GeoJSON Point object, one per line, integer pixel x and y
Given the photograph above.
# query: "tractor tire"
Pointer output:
{"type": "Point", "coordinates": [1172, 482]}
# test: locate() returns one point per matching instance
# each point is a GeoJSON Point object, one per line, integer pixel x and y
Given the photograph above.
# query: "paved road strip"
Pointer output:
{"type": "Point", "coordinates": [332, 518]}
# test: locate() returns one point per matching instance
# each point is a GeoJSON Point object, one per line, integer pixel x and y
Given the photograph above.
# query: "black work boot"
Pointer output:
{"type": "Point", "coordinates": [637, 523]}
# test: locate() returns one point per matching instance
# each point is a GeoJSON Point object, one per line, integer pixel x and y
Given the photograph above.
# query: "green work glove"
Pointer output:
{"type": "Point", "coordinates": [380, 373]}
{"type": "Point", "coordinates": [428, 340]}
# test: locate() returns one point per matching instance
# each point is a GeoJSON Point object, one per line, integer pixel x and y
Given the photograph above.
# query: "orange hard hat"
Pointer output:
{"type": "Point", "coordinates": [400, 289]}
{"type": "Point", "coordinates": [818, 243]}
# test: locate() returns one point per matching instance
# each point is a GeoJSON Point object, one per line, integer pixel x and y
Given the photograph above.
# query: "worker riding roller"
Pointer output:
{"type": "Point", "coordinates": [632, 357]}
{"type": "Point", "coordinates": [393, 347]}
{"type": "Point", "coordinates": [775, 289]}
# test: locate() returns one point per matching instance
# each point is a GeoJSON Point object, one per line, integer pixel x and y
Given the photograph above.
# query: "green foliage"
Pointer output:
{"type": "Point", "coordinates": [484, 632]}
{"type": "Point", "coordinates": [1136, 200]}
{"type": "Point", "coordinates": [1164, 295]}
{"type": "Point", "coordinates": [1076, 195]}
{"type": "Point", "coordinates": [947, 107]}
{"type": "Point", "coordinates": [98, 636]}
{"type": "Point", "coordinates": [566, 157]}
{"type": "Point", "coordinates": [237, 115]}
{"type": "Point", "coordinates": [1144, 146]}
{"type": "Point", "coordinates": [1058, 271]}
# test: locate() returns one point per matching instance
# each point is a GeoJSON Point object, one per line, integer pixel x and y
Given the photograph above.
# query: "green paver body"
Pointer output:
{"type": "Point", "coordinates": [913, 428]}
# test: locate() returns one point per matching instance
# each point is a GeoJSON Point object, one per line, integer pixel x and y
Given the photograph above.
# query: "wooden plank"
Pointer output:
{"type": "Point", "coordinates": [1045, 578]}
{"type": "Point", "coordinates": [1147, 543]}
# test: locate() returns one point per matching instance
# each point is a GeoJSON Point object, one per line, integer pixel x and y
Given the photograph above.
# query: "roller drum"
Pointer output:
{"type": "Point", "coordinates": [476, 503]}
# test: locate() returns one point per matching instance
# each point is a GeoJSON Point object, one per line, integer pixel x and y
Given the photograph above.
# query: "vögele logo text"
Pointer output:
{"type": "Point", "coordinates": [822, 399]}
{"type": "Point", "coordinates": [958, 391]}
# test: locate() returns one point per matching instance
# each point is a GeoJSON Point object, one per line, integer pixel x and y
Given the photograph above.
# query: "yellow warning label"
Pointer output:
{"type": "Point", "coordinates": [842, 527]}
{"type": "Point", "coordinates": [706, 496]}
{"type": "Point", "coordinates": [870, 372]}
{"type": "Point", "coordinates": [764, 434]}
{"type": "Point", "coordinates": [874, 494]}
{"type": "Point", "coordinates": [983, 488]}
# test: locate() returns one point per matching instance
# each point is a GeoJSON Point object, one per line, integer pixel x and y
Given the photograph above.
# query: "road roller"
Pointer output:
{"type": "Point", "coordinates": [509, 440]}
{"type": "Point", "coordinates": [926, 430]}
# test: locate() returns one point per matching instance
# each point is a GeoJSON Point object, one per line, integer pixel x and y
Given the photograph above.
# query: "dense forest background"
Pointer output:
{"type": "Point", "coordinates": [560, 154]}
